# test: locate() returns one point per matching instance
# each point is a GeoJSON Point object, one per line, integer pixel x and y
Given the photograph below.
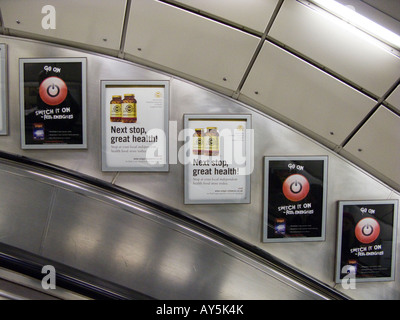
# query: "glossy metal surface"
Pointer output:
{"type": "Point", "coordinates": [15, 286]}
{"type": "Point", "coordinates": [137, 246]}
{"type": "Point", "coordinates": [244, 221]}
{"type": "Point", "coordinates": [215, 44]}
{"type": "Point", "coordinates": [23, 230]}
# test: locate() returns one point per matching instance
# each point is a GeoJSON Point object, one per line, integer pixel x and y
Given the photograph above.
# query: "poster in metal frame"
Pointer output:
{"type": "Point", "coordinates": [230, 173]}
{"type": "Point", "coordinates": [53, 103]}
{"type": "Point", "coordinates": [3, 90]}
{"type": "Point", "coordinates": [366, 240]}
{"type": "Point", "coordinates": [142, 144]}
{"type": "Point", "coordinates": [295, 193]}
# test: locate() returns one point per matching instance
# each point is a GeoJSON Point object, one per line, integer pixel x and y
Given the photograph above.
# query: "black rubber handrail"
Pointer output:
{"type": "Point", "coordinates": [265, 257]}
{"type": "Point", "coordinates": [87, 285]}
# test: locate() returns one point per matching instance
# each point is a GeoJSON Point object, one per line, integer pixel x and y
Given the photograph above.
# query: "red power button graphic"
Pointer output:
{"type": "Point", "coordinates": [367, 230]}
{"type": "Point", "coordinates": [53, 91]}
{"type": "Point", "coordinates": [296, 187]}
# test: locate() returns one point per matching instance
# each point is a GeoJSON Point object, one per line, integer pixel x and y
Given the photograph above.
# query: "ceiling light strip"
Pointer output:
{"type": "Point", "coordinates": [357, 20]}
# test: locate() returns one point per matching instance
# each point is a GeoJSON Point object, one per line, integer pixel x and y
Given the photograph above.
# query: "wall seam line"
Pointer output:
{"type": "Point", "coordinates": [257, 50]}
{"type": "Point", "coordinates": [121, 52]}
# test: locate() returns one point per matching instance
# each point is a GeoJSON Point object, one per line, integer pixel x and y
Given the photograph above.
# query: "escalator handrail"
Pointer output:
{"type": "Point", "coordinates": [78, 282]}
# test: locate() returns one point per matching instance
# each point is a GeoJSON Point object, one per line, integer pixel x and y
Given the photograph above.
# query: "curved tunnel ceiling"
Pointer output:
{"type": "Point", "coordinates": [302, 66]}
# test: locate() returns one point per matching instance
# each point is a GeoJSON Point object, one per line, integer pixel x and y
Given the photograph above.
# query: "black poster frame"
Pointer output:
{"type": "Point", "coordinates": [303, 217]}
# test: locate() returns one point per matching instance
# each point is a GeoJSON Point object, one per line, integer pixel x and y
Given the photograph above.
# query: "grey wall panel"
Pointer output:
{"type": "Point", "coordinates": [75, 20]}
{"type": "Point", "coordinates": [366, 144]}
{"type": "Point", "coordinates": [213, 52]}
{"type": "Point", "coordinates": [255, 15]}
{"type": "Point", "coordinates": [348, 51]}
{"type": "Point", "coordinates": [345, 181]}
{"type": "Point", "coordinates": [394, 98]}
{"type": "Point", "coordinates": [305, 95]}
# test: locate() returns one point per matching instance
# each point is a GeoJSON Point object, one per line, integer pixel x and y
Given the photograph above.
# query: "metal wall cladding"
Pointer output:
{"type": "Point", "coordinates": [345, 180]}
{"type": "Point", "coordinates": [98, 67]}
{"type": "Point", "coordinates": [97, 23]}
{"type": "Point", "coordinates": [336, 45]}
{"type": "Point", "coordinates": [186, 43]}
{"type": "Point", "coordinates": [131, 246]}
{"type": "Point", "coordinates": [394, 98]}
{"type": "Point", "coordinates": [253, 15]}
{"type": "Point", "coordinates": [382, 151]}
{"type": "Point", "coordinates": [387, 6]}
{"type": "Point", "coordinates": [305, 95]}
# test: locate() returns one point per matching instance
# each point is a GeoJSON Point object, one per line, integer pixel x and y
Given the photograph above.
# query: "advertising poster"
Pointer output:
{"type": "Point", "coordinates": [3, 89]}
{"type": "Point", "coordinates": [135, 125]}
{"type": "Point", "coordinates": [53, 103]}
{"type": "Point", "coordinates": [218, 158]}
{"type": "Point", "coordinates": [366, 243]}
{"type": "Point", "coordinates": [294, 198]}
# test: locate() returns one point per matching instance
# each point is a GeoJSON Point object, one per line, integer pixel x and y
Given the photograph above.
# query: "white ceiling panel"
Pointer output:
{"type": "Point", "coordinates": [337, 45]}
{"type": "Point", "coordinates": [305, 95]}
{"type": "Point", "coordinates": [377, 143]}
{"type": "Point", "coordinates": [188, 43]}
{"type": "Point", "coordinates": [394, 98]}
{"type": "Point", "coordinates": [253, 14]}
{"type": "Point", "coordinates": [98, 23]}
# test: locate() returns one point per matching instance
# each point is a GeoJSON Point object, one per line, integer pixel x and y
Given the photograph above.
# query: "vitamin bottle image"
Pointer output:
{"type": "Point", "coordinates": [198, 142]}
{"type": "Point", "coordinates": [116, 109]}
{"type": "Point", "coordinates": [129, 111]}
{"type": "Point", "coordinates": [211, 142]}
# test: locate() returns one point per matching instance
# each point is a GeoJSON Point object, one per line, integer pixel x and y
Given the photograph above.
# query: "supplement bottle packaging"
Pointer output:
{"type": "Point", "coordinates": [129, 110]}
{"type": "Point", "coordinates": [211, 142]}
{"type": "Point", "coordinates": [198, 142]}
{"type": "Point", "coordinates": [116, 109]}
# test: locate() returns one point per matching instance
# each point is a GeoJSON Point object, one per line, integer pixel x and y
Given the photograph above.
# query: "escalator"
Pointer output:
{"type": "Point", "coordinates": [106, 242]}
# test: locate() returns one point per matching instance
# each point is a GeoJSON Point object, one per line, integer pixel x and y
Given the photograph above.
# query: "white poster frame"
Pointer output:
{"type": "Point", "coordinates": [83, 102]}
{"type": "Point", "coordinates": [188, 197]}
{"type": "Point", "coordinates": [348, 276]}
{"type": "Point", "coordinates": [105, 114]}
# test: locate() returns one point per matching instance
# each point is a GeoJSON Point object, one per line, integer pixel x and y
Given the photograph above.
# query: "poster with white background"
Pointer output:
{"type": "Point", "coordinates": [139, 144]}
{"type": "Point", "coordinates": [218, 173]}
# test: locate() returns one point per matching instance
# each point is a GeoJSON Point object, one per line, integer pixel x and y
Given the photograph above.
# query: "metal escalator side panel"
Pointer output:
{"type": "Point", "coordinates": [114, 235]}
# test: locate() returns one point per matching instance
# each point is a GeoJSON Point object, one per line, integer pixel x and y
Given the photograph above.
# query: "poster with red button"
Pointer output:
{"type": "Point", "coordinates": [53, 103]}
{"type": "Point", "coordinates": [366, 242]}
{"type": "Point", "coordinates": [294, 198]}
